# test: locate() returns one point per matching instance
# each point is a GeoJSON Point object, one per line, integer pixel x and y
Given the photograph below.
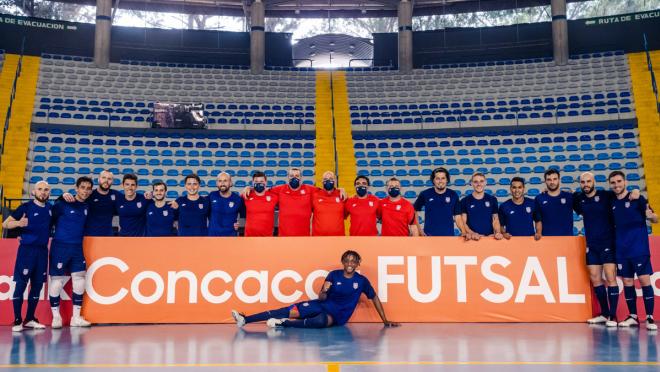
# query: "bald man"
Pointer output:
{"type": "Point", "coordinates": [225, 208]}
{"type": "Point", "coordinates": [595, 206]}
{"type": "Point", "coordinates": [328, 208]}
{"type": "Point", "coordinates": [34, 221]}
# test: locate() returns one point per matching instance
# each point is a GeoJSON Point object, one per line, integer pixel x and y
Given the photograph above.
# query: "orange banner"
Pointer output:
{"type": "Point", "coordinates": [199, 280]}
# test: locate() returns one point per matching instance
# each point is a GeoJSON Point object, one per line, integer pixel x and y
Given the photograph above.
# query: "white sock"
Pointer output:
{"type": "Point", "coordinates": [76, 311]}
{"type": "Point", "coordinates": [55, 311]}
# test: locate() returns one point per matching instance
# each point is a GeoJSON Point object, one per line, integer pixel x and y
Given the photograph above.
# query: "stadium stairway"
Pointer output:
{"type": "Point", "coordinates": [18, 134]}
{"type": "Point", "coordinates": [346, 164]}
{"type": "Point", "coordinates": [648, 122]}
{"type": "Point", "coordinates": [325, 151]}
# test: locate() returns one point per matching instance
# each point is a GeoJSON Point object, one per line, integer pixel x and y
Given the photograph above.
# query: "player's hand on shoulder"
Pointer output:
{"type": "Point", "coordinates": [342, 193]}
{"type": "Point", "coordinates": [246, 191]}
{"type": "Point", "coordinates": [634, 195]}
{"type": "Point", "coordinates": [173, 204]}
{"type": "Point", "coordinates": [68, 197]}
{"type": "Point", "coordinates": [148, 195]}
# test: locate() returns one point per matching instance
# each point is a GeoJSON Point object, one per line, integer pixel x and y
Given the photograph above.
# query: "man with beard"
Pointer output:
{"type": "Point", "coordinates": [398, 216]}
{"type": "Point", "coordinates": [161, 217]}
{"type": "Point", "coordinates": [193, 209]}
{"type": "Point", "coordinates": [595, 208]}
{"type": "Point", "coordinates": [633, 255]}
{"type": "Point", "coordinates": [363, 209]}
{"type": "Point", "coordinates": [328, 208]}
{"type": "Point", "coordinates": [34, 221]}
{"type": "Point", "coordinates": [101, 206]}
{"type": "Point", "coordinates": [260, 207]}
{"type": "Point", "coordinates": [441, 206]}
{"type": "Point", "coordinates": [479, 211]}
{"type": "Point", "coordinates": [66, 253]}
{"type": "Point", "coordinates": [517, 214]}
{"type": "Point", "coordinates": [554, 208]}
{"type": "Point", "coordinates": [225, 208]}
{"type": "Point", "coordinates": [337, 301]}
{"type": "Point", "coordinates": [131, 208]}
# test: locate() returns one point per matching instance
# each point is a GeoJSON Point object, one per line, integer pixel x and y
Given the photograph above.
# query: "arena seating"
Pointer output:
{"type": "Point", "coordinates": [593, 87]}
{"type": "Point", "coordinates": [72, 91]}
{"type": "Point", "coordinates": [60, 156]}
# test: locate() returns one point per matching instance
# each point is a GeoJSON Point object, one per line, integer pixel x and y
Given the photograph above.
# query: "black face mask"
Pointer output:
{"type": "Point", "coordinates": [394, 192]}
{"type": "Point", "coordinates": [294, 183]}
{"type": "Point", "coordinates": [259, 187]}
{"type": "Point", "coordinates": [329, 185]}
{"type": "Point", "coordinates": [361, 190]}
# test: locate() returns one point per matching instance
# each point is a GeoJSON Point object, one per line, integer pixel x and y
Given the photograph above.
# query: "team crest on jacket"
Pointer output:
{"type": "Point", "coordinates": [139, 204]}
{"type": "Point", "coordinates": [597, 198]}
{"type": "Point", "coordinates": [165, 213]}
{"type": "Point", "coordinates": [302, 192]}
{"type": "Point", "coordinates": [487, 204]}
{"type": "Point", "coordinates": [447, 199]}
{"type": "Point", "coordinates": [337, 199]}
{"type": "Point", "coordinates": [112, 197]}
{"type": "Point", "coordinates": [355, 286]}
{"type": "Point", "coordinates": [563, 200]}
{"type": "Point", "coordinates": [201, 206]}
{"type": "Point", "coordinates": [231, 204]}
{"type": "Point", "coordinates": [627, 204]}
{"type": "Point", "coordinates": [398, 207]}
{"type": "Point", "coordinates": [528, 209]}
{"type": "Point", "coordinates": [371, 204]}
{"type": "Point", "coordinates": [25, 271]}
{"type": "Point", "coordinates": [268, 198]}
{"type": "Point", "coordinates": [85, 212]}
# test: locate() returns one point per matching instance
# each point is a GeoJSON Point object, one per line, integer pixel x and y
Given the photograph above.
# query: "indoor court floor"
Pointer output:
{"type": "Point", "coordinates": [355, 347]}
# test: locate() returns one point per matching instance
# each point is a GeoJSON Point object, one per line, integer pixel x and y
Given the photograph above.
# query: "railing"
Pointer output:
{"type": "Point", "coordinates": [12, 95]}
{"type": "Point", "coordinates": [654, 85]}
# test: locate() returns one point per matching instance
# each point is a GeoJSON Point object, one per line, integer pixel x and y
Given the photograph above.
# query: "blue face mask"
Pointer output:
{"type": "Point", "coordinates": [329, 185]}
{"type": "Point", "coordinates": [394, 192]}
{"type": "Point", "coordinates": [361, 190]}
{"type": "Point", "coordinates": [259, 187]}
{"type": "Point", "coordinates": [294, 183]}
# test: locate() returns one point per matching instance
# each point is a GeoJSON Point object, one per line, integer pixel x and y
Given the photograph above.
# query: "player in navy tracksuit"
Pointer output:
{"type": "Point", "coordinates": [161, 217]}
{"type": "Point", "coordinates": [225, 208]}
{"type": "Point", "coordinates": [633, 255]}
{"type": "Point", "coordinates": [34, 221]}
{"type": "Point", "coordinates": [337, 300]}
{"type": "Point", "coordinates": [193, 209]}
{"type": "Point", "coordinates": [66, 252]}
{"type": "Point", "coordinates": [554, 208]}
{"type": "Point", "coordinates": [517, 214]}
{"type": "Point", "coordinates": [441, 205]}
{"type": "Point", "coordinates": [479, 211]}
{"type": "Point", "coordinates": [101, 206]}
{"type": "Point", "coordinates": [131, 208]}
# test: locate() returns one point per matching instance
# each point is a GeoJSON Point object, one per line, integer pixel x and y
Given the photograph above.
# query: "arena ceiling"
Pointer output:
{"type": "Point", "coordinates": [320, 8]}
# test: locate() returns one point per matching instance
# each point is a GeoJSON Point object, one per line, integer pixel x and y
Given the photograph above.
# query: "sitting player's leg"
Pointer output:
{"type": "Point", "coordinates": [284, 312]}
{"type": "Point", "coordinates": [321, 320]}
{"type": "Point", "coordinates": [78, 289]}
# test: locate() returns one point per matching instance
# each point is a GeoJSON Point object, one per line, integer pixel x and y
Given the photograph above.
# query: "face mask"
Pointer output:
{"type": "Point", "coordinates": [294, 183]}
{"type": "Point", "coordinates": [259, 187]}
{"type": "Point", "coordinates": [394, 192]}
{"type": "Point", "coordinates": [329, 185]}
{"type": "Point", "coordinates": [361, 190]}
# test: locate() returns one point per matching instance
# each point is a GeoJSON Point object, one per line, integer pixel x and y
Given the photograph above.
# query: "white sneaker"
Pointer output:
{"type": "Point", "coordinates": [57, 322]}
{"type": "Point", "coordinates": [238, 318]}
{"type": "Point", "coordinates": [17, 327]}
{"type": "Point", "coordinates": [597, 320]}
{"type": "Point", "coordinates": [273, 322]}
{"type": "Point", "coordinates": [79, 321]}
{"type": "Point", "coordinates": [34, 324]}
{"type": "Point", "coordinates": [650, 324]}
{"type": "Point", "coordinates": [611, 323]}
{"type": "Point", "coordinates": [629, 322]}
